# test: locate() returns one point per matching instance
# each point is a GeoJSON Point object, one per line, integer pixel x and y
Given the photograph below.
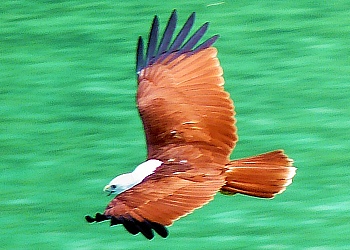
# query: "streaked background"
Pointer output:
{"type": "Point", "coordinates": [69, 124]}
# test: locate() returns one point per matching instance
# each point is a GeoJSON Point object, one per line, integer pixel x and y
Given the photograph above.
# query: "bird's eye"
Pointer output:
{"type": "Point", "coordinates": [113, 186]}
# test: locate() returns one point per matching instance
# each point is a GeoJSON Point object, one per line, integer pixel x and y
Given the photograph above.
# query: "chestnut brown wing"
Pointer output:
{"type": "Point", "coordinates": [183, 102]}
{"type": "Point", "coordinates": [180, 96]}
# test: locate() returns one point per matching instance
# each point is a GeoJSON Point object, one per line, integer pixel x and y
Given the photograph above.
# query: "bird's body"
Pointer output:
{"type": "Point", "coordinates": [190, 131]}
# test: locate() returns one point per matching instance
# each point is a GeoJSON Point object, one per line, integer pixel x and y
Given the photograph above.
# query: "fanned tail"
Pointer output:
{"type": "Point", "coordinates": [261, 176]}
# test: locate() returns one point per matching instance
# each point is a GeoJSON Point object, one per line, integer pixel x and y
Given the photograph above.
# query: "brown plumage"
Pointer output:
{"type": "Point", "coordinates": [189, 124]}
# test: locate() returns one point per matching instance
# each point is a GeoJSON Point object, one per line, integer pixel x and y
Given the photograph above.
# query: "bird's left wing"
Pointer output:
{"type": "Point", "coordinates": [180, 96]}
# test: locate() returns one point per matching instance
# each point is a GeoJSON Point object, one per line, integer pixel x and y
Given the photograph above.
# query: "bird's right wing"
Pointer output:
{"type": "Point", "coordinates": [174, 190]}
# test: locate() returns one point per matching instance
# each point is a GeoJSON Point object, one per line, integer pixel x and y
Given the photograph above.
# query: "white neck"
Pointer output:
{"type": "Point", "coordinates": [126, 181]}
{"type": "Point", "coordinates": [145, 169]}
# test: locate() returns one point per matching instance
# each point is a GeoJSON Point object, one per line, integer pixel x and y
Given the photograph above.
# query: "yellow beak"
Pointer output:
{"type": "Point", "coordinates": [107, 188]}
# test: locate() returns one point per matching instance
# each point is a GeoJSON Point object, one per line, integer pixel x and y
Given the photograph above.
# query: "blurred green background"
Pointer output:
{"type": "Point", "coordinates": [69, 124]}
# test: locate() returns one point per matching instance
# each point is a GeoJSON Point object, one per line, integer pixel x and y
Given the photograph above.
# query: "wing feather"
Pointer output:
{"type": "Point", "coordinates": [164, 207]}
{"type": "Point", "coordinates": [168, 34]}
{"type": "Point", "coordinates": [170, 96]}
{"type": "Point", "coordinates": [194, 39]}
{"type": "Point", "coordinates": [180, 38]}
{"type": "Point", "coordinates": [153, 39]}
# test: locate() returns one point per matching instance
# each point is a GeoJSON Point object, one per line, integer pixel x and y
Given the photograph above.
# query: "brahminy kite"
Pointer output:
{"type": "Point", "coordinates": [190, 130]}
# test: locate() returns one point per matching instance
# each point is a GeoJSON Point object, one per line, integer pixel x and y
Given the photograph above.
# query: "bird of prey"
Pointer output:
{"type": "Point", "coordinates": [188, 119]}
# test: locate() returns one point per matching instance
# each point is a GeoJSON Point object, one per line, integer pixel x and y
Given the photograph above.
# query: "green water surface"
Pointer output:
{"type": "Point", "coordinates": [68, 122]}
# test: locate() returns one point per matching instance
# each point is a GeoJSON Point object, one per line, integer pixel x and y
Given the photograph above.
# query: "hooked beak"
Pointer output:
{"type": "Point", "coordinates": [107, 189]}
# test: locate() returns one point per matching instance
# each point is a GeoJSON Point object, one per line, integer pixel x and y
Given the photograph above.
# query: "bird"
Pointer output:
{"type": "Point", "coordinates": [190, 130]}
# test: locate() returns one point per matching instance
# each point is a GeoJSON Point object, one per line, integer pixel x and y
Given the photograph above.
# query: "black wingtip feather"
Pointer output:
{"type": "Point", "coordinates": [132, 225]}
{"type": "Point", "coordinates": [168, 34]}
{"type": "Point", "coordinates": [180, 38]}
{"type": "Point", "coordinates": [146, 229]}
{"type": "Point", "coordinates": [140, 61]}
{"type": "Point", "coordinates": [193, 40]}
{"type": "Point", "coordinates": [206, 44]}
{"type": "Point", "coordinates": [160, 229]}
{"type": "Point", "coordinates": [98, 218]}
{"type": "Point", "coordinates": [152, 40]}
{"type": "Point", "coordinates": [178, 45]}
{"type": "Point", "coordinates": [89, 219]}
{"type": "Point", "coordinates": [115, 221]}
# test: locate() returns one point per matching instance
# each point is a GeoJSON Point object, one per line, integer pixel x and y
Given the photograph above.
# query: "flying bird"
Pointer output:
{"type": "Point", "coordinates": [190, 131]}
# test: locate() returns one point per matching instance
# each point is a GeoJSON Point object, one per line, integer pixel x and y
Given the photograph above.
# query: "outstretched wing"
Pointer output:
{"type": "Point", "coordinates": [180, 96]}
{"type": "Point", "coordinates": [189, 126]}
{"type": "Point", "coordinates": [174, 190]}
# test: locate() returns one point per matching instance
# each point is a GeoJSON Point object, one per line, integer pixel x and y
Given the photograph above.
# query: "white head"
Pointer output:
{"type": "Point", "coordinates": [126, 181]}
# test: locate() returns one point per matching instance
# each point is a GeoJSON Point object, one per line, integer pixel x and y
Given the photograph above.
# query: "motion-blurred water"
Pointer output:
{"type": "Point", "coordinates": [69, 124]}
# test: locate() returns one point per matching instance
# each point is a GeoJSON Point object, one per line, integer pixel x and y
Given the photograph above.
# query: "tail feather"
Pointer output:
{"type": "Point", "coordinates": [261, 176]}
